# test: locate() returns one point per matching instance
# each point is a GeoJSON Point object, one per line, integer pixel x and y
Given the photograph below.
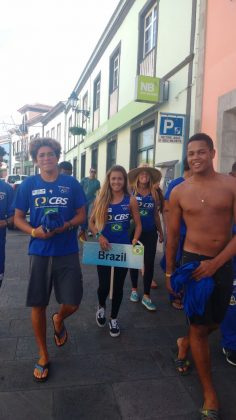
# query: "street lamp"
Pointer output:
{"type": "Point", "coordinates": [73, 101]}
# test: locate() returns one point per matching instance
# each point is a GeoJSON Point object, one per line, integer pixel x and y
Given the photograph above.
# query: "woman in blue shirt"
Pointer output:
{"type": "Point", "coordinates": [142, 181]}
{"type": "Point", "coordinates": [110, 223]}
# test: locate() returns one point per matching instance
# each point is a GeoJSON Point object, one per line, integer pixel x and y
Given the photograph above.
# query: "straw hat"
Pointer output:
{"type": "Point", "coordinates": [154, 173]}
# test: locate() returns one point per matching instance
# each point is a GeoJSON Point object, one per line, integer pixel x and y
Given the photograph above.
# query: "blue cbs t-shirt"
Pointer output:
{"type": "Point", "coordinates": [171, 186]}
{"type": "Point", "coordinates": [117, 225]}
{"type": "Point", "coordinates": [65, 196]}
{"type": "Point", "coordinates": [146, 205]}
{"type": "Point", "coordinates": [6, 199]}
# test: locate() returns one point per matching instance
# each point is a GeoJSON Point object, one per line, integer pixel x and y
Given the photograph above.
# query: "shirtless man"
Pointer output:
{"type": "Point", "coordinates": [207, 203]}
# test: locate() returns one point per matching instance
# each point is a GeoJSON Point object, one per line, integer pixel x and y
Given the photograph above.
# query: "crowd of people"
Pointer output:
{"type": "Point", "coordinates": [199, 214]}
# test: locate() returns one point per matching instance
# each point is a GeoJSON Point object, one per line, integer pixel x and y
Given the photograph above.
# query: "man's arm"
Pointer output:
{"type": "Point", "coordinates": [174, 221]}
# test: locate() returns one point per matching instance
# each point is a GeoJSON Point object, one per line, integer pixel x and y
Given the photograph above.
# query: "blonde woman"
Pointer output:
{"type": "Point", "coordinates": [110, 223]}
{"type": "Point", "coordinates": [142, 181]}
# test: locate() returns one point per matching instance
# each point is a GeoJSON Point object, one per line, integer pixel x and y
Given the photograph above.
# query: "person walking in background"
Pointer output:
{"type": "Point", "coordinates": [91, 186]}
{"type": "Point", "coordinates": [233, 170]}
{"type": "Point", "coordinates": [161, 212]}
{"type": "Point", "coordinates": [6, 220]}
{"type": "Point", "coordinates": [65, 168]}
{"type": "Point", "coordinates": [176, 301]}
{"type": "Point", "coordinates": [142, 180]}
{"type": "Point", "coordinates": [110, 223]}
{"type": "Point", "coordinates": [207, 203]}
{"type": "Point", "coordinates": [57, 206]}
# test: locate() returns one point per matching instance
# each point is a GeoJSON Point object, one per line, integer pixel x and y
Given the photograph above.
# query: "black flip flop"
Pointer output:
{"type": "Point", "coordinates": [61, 334]}
{"type": "Point", "coordinates": [182, 364]}
{"type": "Point", "coordinates": [209, 414]}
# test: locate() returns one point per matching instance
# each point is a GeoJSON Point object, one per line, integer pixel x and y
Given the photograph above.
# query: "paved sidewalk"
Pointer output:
{"type": "Point", "coordinates": [95, 376]}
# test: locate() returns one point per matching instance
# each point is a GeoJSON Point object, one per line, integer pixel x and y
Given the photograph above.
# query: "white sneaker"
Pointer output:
{"type": "Point", "coordinates": [114, 328]}
{"type": "Point", "coordinates": [100, 317]}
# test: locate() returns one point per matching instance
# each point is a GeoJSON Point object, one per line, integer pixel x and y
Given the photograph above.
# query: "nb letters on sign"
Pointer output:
{"type": "Point", "coordinates": [127, 256]}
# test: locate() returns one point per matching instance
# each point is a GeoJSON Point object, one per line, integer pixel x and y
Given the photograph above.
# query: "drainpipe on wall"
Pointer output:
{"type": "Point", "coordinates": [190, 80]}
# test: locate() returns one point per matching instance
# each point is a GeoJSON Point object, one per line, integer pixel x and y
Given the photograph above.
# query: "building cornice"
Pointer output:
{"type": "Point", "coordinates": [54, 112]}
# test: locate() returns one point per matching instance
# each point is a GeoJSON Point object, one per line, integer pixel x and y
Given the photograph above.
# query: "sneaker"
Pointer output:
{"type": "Point", "coordinates": [134, 297]}
{"type": "Point", "coordinates": [231, 357]}
{"type": "Point", "coordinates": [114, 328]}
{"type": "Point", "coordinates": [90, 234]}
{"type": "Point", "coordinates": [148, 304]}
{"type": "Point", "coordinates": [100, 317]}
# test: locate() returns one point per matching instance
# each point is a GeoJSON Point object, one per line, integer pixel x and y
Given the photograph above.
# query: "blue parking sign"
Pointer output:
{"type": "Point", "coordinates": [171, 128]}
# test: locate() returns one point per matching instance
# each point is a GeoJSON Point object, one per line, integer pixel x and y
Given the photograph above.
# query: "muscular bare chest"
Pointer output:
{"type": "Point", "coordinates": [210, 200]}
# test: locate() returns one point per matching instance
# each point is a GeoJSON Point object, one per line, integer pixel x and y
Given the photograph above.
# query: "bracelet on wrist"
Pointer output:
{"type": "Point", "coordinates": [33, 233]}
{"type": "Point", "coordinates": [98, 234]}
{"type": "Point", "coordinates": [168, 275]}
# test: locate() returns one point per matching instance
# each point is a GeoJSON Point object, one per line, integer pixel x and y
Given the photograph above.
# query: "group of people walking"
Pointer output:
{"type": "Point", "coordinates": [200, 212]}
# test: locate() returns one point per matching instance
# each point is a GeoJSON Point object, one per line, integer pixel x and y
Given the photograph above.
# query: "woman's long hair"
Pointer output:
{"type": "Point", "coordinates": [105, 197]}
{"type": "Point", "coordinates": [151, 185]}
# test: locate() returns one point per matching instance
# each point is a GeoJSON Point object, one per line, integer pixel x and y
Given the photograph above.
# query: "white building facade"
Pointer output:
{"type": "Point", "coordinates": [129, 125]}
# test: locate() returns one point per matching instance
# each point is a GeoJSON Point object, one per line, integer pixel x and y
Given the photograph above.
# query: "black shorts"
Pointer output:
{"type": "Point", "coordinates": [63, 273]}
{"type": "Point", "coordinates": [218, 302]}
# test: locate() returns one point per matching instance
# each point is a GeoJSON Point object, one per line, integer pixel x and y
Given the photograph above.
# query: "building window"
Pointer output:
{"type": "Point", "coordinates": [59, 132]}
{"type": "Point", "coordinates": [150, 30]}
{"type": "Point", "coordinates": [82, 165]}
{"type": "Point", "coordinates": [85, 107]}
{"type": "Point", "coordinates": [148, 39]}
{"type": "Point", "coordinates": [96, 102]}
{"type": "Point", "coordinates": [75, 167]}
{"type": "Point", "coordinates": [142, 146]}
{"type": "Point", "coordinates": [111, 154]}
{"type": "Point", "coordinates": [53, 133]}
{"type": "Point", "coordinates": [114, 81]}
{"type": "Point", "coordinates": [69, 133]}
{"type": "Point", "coordinates": [97, 91]}
{"type": "Point", "coordinates": [114, 71]}
{"type": "Point", "coordinates": [94, 160]}
{"type": "Point", "coordinates": [47, 133]}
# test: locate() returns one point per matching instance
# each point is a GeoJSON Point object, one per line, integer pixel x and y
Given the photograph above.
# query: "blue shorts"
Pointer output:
{"type": "Point", "coordinates": [218, 302]}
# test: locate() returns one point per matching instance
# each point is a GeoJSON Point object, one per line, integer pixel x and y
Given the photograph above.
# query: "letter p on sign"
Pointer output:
{"type": "Point", "coordinates": [168, 125]}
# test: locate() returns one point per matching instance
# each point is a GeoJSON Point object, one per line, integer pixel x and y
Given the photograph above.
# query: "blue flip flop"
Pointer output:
{"type": "Point", "coordinates": [41, 369]}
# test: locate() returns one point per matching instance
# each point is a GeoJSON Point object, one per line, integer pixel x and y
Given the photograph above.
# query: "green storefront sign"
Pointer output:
{"type": "Point", "coordinates": [147, 89]}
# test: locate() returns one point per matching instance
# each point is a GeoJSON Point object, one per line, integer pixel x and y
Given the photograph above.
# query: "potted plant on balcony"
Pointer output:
{"type": "Point", "coordinates": [77, 131]}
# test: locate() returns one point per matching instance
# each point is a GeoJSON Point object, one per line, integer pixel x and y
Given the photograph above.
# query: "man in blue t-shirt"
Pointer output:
{"type": "Point", "coordinates": [57, 207]}
{"type": "Point", "coordinates": [6, 219]}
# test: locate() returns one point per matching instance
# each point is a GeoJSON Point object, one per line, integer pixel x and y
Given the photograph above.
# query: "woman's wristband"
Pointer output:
{"type": "Point", "coordinates": [98, 234]}
{"type": "Point", "coordinates": [168, 275]}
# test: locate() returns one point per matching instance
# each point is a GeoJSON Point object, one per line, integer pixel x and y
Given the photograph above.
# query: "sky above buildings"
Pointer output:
{"type": "Point", "coordinates": [44, 46]}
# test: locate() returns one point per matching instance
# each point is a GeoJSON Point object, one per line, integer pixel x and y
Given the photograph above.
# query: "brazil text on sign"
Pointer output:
{"type": "Point", "coordinates": [171, 128]}
{"type": "Point", "coordinates": [127, 256]}
{"type": "Point", "coordinates": [147, 89]}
